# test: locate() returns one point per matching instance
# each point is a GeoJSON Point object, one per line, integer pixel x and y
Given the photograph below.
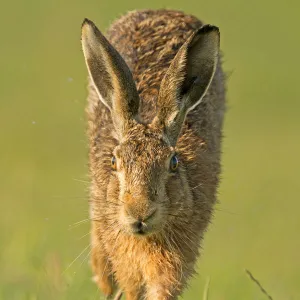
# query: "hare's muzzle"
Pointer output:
{"type": "Point", "coordinates": [139, 214]}
{"type": "Point", "coordinates": [142, 226]}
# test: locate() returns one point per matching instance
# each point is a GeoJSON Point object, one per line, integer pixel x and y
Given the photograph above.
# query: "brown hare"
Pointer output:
{"type": "Point", "coordinates": [155, 114]}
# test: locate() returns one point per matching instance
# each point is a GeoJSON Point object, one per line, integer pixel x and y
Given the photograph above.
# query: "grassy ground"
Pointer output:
{"type": "Point", "coordinates": [43, 152]}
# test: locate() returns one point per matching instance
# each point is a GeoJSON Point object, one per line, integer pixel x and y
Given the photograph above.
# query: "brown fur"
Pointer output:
{"type": "Point", "coordinates": [176, 207]}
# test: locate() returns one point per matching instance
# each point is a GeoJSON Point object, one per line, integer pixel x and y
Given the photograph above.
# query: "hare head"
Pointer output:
{"type": "Point", "coordinates": [148, 182]}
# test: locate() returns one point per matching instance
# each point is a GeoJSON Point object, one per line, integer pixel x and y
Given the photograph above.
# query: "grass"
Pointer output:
{"type": "Point", "coordinates": [43, 149]}
{"type": "Point", "coordinates": [262, 289]}
{"type": "Point", "coordinates": [119, 293]}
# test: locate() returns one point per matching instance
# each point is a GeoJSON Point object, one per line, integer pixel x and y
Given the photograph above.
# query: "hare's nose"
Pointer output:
{"type": "Point", "coordinates": [138, 226]}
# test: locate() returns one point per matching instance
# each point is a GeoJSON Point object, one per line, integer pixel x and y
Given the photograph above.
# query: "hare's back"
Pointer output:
{"type": "Point", "coordinates": [148, 41]}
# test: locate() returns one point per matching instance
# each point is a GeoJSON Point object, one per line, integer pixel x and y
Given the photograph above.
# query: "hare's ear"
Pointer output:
{"type": "Point", "coordinates": [187, 80]}
{"type": "Point", "coordinates": [111, 77]}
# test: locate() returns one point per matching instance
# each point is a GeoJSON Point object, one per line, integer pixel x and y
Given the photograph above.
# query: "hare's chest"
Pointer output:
{"type": "Point", "coordinates": [143, 263]}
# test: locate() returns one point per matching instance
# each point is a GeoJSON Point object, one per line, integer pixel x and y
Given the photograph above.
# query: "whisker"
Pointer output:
{"type": "Point", "coordinates": [196, 186]}
{"type": "Point", "coordinates": [95, 220]}
{"type": "Point", "coordinates": [80, 180]}
{"type": "Point", "coordinates": [86, 257]}
{"type": "Point", "coordinates": [84, 236]}
{"type": "Point", "coordinates": [75, 225]}
{"type": "Point", "coordinates": [72, 226]}
{"type": "Point", "coordinates": [203, 184]}
{"type": "Point", "coordinates": [76, 259]}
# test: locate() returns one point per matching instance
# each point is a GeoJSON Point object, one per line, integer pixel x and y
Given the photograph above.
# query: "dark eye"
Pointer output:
{"type": "Point", "coordinates": [173, 163]}
{"type": "Point", "coordinates": [113, 163]}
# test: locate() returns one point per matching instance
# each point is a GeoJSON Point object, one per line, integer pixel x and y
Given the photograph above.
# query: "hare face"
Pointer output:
{"type": "Point", "coordinates": [143, 165]}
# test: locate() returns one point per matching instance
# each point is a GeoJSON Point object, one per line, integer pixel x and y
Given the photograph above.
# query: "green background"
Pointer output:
{"type": "Point", "coordinates": [43, 152]}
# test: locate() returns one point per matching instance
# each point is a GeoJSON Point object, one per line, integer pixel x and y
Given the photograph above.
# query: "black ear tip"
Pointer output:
{"type": "Point", "coordinates": [87, 21]}
{"type": "Point", "coordinates": [208, 28]}
{"type": "Point", "coordinates": [88, 25]}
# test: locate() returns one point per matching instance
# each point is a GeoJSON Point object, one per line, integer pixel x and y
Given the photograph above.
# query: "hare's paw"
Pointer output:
{"type": "Point", "coordinates": [102, 273]}
{"type": "Point", "coordinates": [104, 285]}
{"type": "Point", "coordinates": [160, 291]}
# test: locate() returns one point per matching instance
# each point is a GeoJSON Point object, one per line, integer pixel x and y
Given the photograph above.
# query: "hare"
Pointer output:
{"type": "Point", "coordinates": [155, 113]}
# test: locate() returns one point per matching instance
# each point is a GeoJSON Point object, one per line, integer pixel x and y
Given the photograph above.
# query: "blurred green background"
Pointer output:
{"type": "Point", "coordinates": [43, 153]}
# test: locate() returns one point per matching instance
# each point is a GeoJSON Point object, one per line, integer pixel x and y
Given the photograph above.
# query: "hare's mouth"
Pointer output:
{"type": "Point", "coordinates": [140, 228]}
{"type": "Point", "coordinates": [141, 225]}
{"type": "Point", "coordinates": [140, 232]}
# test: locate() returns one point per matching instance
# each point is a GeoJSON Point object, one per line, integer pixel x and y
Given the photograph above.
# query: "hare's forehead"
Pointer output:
{"type": "Point", "coordinates": [147, 148]}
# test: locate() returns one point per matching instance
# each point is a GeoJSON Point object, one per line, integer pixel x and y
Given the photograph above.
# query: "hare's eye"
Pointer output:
{"type": "Point", "coordinates": [173, 163]}
{"type": "Point", "coordinates": [113, 163]}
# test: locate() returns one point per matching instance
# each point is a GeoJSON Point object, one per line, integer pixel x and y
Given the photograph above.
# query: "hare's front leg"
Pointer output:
{"type": "Point", "coordinates": [163, 288]}
{"type": "Point", "coordinates": [133, 290]}
{"type": "Point", "coordinates": [159, 292]}
{"type": "Point", "coordinates": [101, 268]}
